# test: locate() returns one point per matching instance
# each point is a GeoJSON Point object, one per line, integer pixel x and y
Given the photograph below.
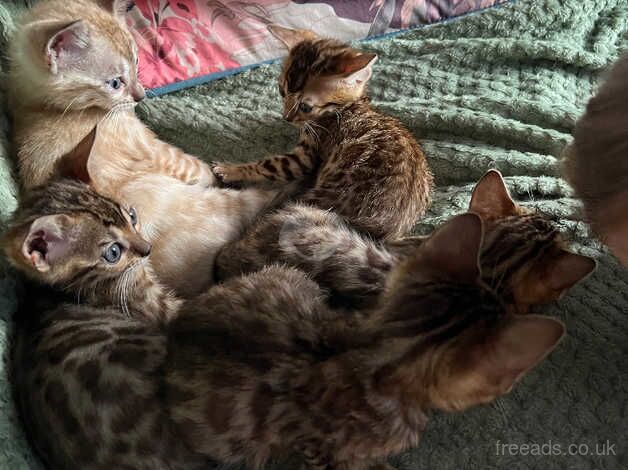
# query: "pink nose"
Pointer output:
{"type": "Point", "coordinates": [138, 93]}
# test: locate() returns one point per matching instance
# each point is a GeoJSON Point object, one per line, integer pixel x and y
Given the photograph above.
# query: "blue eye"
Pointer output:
{"type": "Point", "coordinates": [133, 216]}
{"type": "Point", "coordinates": [115, 83]}
{"type": "Point", "coordinates": [113, 253]}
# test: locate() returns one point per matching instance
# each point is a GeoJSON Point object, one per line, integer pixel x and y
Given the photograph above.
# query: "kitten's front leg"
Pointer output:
{"type": "Point", "coordinates": [192, 170]}
{"type": "Point", "coordinates": [174, 162]}
{"type": "Point", "coordinates": [279, 168]}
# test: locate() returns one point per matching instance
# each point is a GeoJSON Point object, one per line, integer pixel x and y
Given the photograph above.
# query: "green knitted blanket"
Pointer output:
{"type": "Point", "coordinates": [499, 89]}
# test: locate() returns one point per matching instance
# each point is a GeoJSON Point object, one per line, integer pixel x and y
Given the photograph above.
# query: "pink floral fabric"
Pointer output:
{"type": "Point", "coordinates": [184, 42]}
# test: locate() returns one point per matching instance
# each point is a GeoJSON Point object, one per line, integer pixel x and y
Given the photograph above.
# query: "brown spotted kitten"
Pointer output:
{"type": "Point", "coordinates": [67, 236]}
{"type": "Point", "coordinates": [360, 163]}
{"type": "Point", "coordinates": [258, 366]}
{"type": "Point", "coordinates": [524, 257]}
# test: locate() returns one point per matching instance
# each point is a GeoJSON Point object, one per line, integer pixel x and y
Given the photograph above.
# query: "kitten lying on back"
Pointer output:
{"type": "Point", "coordinates": [256, 367]}
{"type": "Point", "coordinates": [72, 86]}
{"type": "Point", "coordinates": [597, 161]}
{"type": "Point", "coordinates": [364, 165]}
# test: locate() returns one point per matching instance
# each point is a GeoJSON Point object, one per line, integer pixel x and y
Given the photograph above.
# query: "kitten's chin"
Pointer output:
{"type": "Point", "coordinates": [123, 107]}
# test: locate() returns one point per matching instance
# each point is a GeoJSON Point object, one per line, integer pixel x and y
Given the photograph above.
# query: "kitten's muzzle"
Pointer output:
{"type": "Point", "coordinates": [138, 93]}
{"type": "Point", "coordinates": [141, 247]}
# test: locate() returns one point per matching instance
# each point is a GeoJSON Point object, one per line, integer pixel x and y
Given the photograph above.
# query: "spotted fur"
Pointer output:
{"type": "Point", "coordinates": [260, 366]}
{"type": "Point", "coordinates": [352, 159]}
{"type": "Point", "coordinates": [524, 256]}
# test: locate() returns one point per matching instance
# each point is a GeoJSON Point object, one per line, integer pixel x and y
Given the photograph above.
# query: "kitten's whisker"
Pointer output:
{"type": "Point", "coordinates": [315, 124]}
{"type": "Point", "coordinates": [294, 106]}
{"type": "Point", "coordinates": [499, 405]}
{"type": "Point", "coordinates": [311, 131]}
{"type": "Point", "coordinates": [67, 108]}
{"type": "Point", "coordinates": [112, 114]}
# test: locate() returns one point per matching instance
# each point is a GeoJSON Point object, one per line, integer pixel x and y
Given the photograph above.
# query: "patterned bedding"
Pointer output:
{"type": "Point", "coordinates": [187, 42]}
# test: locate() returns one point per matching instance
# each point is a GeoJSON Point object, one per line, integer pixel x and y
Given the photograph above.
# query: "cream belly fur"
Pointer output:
{"type": "Point", "coordinates": [186, 223]}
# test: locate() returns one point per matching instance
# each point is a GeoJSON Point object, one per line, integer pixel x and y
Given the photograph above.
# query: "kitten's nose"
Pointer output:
{"type": "Point", "coordinates": [138, 93]}
{"type": "Point", "coordinates": [141, 247]}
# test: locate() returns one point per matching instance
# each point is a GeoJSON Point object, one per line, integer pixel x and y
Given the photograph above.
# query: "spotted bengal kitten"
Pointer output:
{"type": "Point", "coordinates": [523, 257]}
{"type": "Point", "coordinates": [68, 236]}
{"type": "Point", "coordinates": [352, 159]}
{"type": "Point", "coordinates": [253, 368]}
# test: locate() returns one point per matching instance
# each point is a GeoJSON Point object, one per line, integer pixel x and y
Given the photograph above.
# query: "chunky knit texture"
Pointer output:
{"type": "Point", "coordinates": [500, 89]}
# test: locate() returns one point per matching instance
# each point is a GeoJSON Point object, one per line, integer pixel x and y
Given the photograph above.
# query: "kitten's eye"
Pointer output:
{"type": "Point", "coordinates": [133, 216]}
{"type": "Point", "coordinates": [113, 253]}
{"type": "Point", "coordinates": [305, 108]}
{"type": "Point", "coordinates": [115, 83]}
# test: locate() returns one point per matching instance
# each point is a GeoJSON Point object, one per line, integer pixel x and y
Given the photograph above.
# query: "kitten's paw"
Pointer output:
{"type": "Point", "coordinates": [226, 174]}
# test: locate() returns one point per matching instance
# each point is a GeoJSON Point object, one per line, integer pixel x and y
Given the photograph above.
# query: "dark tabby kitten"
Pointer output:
{"type": "Point", "coordinates": [523, 256]}
{"type": "Point", "coordinates": [258, 366]}
{"type": "Point", "coordinates": [364, 165]}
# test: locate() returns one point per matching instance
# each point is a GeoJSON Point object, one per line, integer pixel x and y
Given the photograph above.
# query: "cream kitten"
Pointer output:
{"type": "Point", "coordinates": [74, 67]}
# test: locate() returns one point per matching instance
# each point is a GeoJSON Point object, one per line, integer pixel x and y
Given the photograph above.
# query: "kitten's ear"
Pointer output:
{"type": "Point", "coordinates": [454, 248]}
{"type": "Point", "coordinates": [518, 345]}
{"type": "Point", "coordinates": [74, 164]}
{"type": "Point", "coordinates": [47, 240]}
{"type": "Point", "coordinates": [489, 368]}
{"type": "Point", "coordinates": [567, 270]}
{"type": "Point", "coordinates": [490, 198]}
{"type": "Point", "coordinates": [117, 7]}
{"type": "Point", "coordinates": [357, 70]}
{"type": "Point", "coordinates": [550, 278]}
{"type": "Point", "coordinates": [291, 37]}
{"type": "Point", "coordinates": [64, 44]}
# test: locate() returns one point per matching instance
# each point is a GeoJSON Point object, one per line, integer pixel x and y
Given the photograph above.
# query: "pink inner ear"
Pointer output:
{"type": "Point", "coordinates": [46, 242]}
{"type": "Point", "coordinates": [35, 249]}
{"type": "Point", "coordinates": [67, 46]}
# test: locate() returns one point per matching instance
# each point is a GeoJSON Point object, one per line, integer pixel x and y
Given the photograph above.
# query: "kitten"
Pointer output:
{"type": "Point", "coordinates": [67, 236]}
{"type": "Point", "coordinates": [597, 161]}
{"type": "Point", "coordinates": [523, 256]}
{"type": "Point", "coordinates": [72, 65]}
{"type": "Point", "coordinates": [259, 365]}
{"type": "Point", "coordinates": [363, 164]}
{"type": "Point", "coordinates": [72, 84]}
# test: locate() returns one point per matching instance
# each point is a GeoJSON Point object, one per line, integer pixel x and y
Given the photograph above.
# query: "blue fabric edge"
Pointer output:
{"type": "Point", "coordinates": [202, 79]}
